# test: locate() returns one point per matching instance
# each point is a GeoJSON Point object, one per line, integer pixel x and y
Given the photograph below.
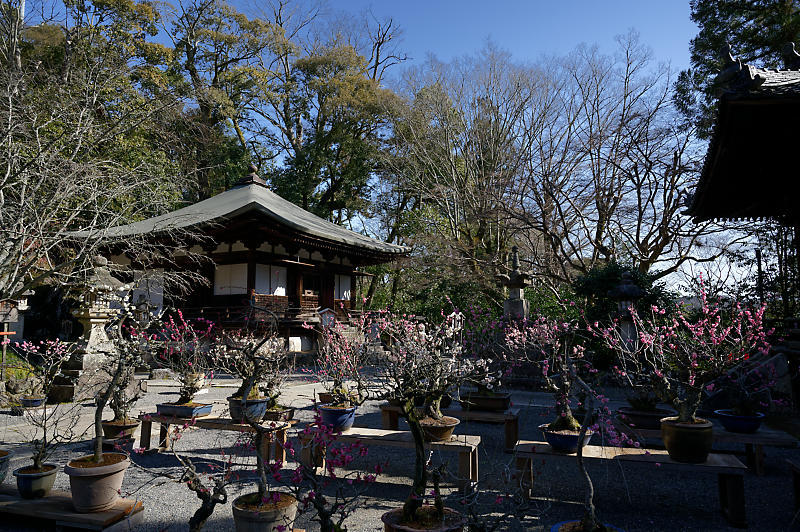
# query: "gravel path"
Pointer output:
{"type": "Point", "coordinates": [632, 497]}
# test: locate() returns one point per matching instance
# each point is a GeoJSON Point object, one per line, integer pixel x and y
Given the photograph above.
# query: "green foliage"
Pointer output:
{"type": "Point", "coordinates": [431, 297]}
{"type": "Point", "coordinates": [594, 287]}
{"type": "Point", "coordinates": [592, 292]}
{"type": "Point", "coordinates": [545, 302]}
{"type": "Point", "coordinates": [17, 367]}
{"type": "Point", "coordinates": [757, 31]}
{"type": "Point", "coordinates": [342, 109]}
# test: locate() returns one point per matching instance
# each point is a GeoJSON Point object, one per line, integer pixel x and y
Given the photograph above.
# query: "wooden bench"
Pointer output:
{"type": "Point", "coordinates": [729, 470]}
{"type": "Point", "coordinates": [57, 511]}
{"type": "Point", "coordinates": [753, 443]}
{"type": "Point", "coordinates": [390, 418]}
{"type": "Point", "coordinates": [215, 423]}
{"type": "Point", "coordinates": [465, 446]}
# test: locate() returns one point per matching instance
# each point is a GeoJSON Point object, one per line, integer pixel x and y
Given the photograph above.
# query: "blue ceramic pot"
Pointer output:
{"type": "Point", "coordinates": [338, 418]}
{"type": "Point", "coordinates": [255, 408]}
{"type": "Point", "coordinates": [736, 423]}
{"type": "Point", "coordinates": [31, 402]}
{"type": "Point", "coordinates": [562, 441]}
{"type": "Point", "coordinates": [557, 527]}
{"type": "Point", "coordinates": [185, 411]}
{"type": "Point", "coordinates": [35, 485]}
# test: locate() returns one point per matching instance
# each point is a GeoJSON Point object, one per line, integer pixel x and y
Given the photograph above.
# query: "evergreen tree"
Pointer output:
{"type": "Point", "coordinates": [758, 32]}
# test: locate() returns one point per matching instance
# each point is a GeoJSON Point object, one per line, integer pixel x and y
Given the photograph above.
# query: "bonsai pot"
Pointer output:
{"type": "Point", "coordinates": [325, 397]}
{"type": "Point", "coordinates": [643, 419]}
{"type": "Point", "coordinates": [250, 516]}
{"type": "Point", "coordinates": [255, 409]}
{"type": "Point", "coordinates": [5, 461]}
{"type": "Point", "coordinates": [31, 402]}
{"type": "Point", "coordinates": [186, 410]}
{"type": "Point", "coordinates": [564, 441]}
{"type": "Point", "coordinates": [34, 484]}
{"type": "Point", "coordinates": [123, 444]}
{"type": "Point", "coordinates": [281, 413]}
{"type": "Point", "coordinates": [119, 429]}
{"type": "Point", "coordinates": [687, 442]}
{"type": "Point", "coordinates": [453, 521]}
{"type": "Point", "coordinates": [95, 487]}
{"type": "Point", "coordinates": [495, 402]}
{"type": "Point", "coordinates": [569, 526]}
{"type": "Point", "coordinates": [438, 429]}
{"type": "Point", "coordinates": [339, 418]}
{"type": "Point", "coordinates": [734, 422]}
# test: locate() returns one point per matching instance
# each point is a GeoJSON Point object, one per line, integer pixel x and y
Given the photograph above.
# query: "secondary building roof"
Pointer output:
{"type": "Point", "coordinates": [750, 171]}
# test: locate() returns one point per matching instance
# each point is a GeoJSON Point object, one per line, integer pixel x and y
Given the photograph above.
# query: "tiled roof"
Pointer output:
{"type": "Point", "coordinates": [252, 197]}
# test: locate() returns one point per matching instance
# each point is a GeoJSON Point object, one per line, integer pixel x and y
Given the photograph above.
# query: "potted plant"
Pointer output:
{"type": "Point", "coordinates": [418, 362]}
{"type": "Point", "coordinates": [483, 333]}
{"type": "Point", "coordinates": [553, 345]}
{"type": "Point", "coordinates": [122, 426]}
{"type": "Point", "coordinates": [684, 352]}
{"type": "Point", "coordinates": [50, 426]}
{"type": "Point", "coordinates": [96, 479]}
{"type": "Point", "coordinates": [339, 367]}
{"type": "Point", "coordinates": [748, 393]}
{"type": "Point", "coordinates": [643, 411]}
{"type": "Point", "coordinates": [330, 494]}
{"type": "Point", "coordinates": [271, 389]}
{"type": "Point", "coordinates": [558, 348]}
{"type": "Point", "coordinates": [262, 358]}
{"type": "Point", "coordinates": [184, 350]}
{"type": "Point", "coordinates": [265, 509]}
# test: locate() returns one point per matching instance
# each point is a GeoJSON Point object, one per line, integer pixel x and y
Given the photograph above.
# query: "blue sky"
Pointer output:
{"type": "Point", "coordinates": [528, 29]}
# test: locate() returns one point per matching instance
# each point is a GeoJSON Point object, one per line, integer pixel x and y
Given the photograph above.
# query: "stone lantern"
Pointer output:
{"type": "Point", "coordinates": [98, 306]}
{"type": "Point", "coordinates": [515, 307]}
{"type": "Point", "coordinates": [626, 294]}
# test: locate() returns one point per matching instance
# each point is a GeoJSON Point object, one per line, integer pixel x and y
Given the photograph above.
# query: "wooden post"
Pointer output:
{"type": "Point", "coordinates": [512, 433]}
{"type": "Point", "coordinates": [390, 419]}
{"type": "Point", "coordinates": [144, 434]}
{"type": "Point", "coordinates": [3, 340]}
{"type": "Point", "coordinates": [525, 476]}
{"type": "Point", "coordinates": [731, 499]}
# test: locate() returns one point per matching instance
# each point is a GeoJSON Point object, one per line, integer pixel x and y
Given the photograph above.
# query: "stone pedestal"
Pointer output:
{"type": "Point", "coordinates": [516, 309]}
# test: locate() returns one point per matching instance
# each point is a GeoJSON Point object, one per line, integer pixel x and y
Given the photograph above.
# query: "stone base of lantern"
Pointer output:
{"type": "Point", "coordinates": [82, 379]}
{"type": "Point", "coordinates": [516, 309]}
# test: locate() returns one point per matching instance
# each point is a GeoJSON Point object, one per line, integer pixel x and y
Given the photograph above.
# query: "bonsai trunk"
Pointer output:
{"type": "Point", "coordinates": [589, 521]}
{"type": "Point", "coordinates": [101, 402]}
{"type": "Point", "coordinates": [209, 499]}
{"type": "Point", "coordinates": [433, 409]}
{"type": "Point", "coordinates": [40, 447]}
{"type": "Point", "coordinates": [258, 440]}
{"type": "Point", "coordinates": [686, 406]}
{"type": "Point", "coordinates": [414, 500]}
{"type": "Point", "coordinates": [565, 420]}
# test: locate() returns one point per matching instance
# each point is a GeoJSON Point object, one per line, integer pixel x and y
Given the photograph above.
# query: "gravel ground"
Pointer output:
{"type": "Point", "coordinates": [633, 497]}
